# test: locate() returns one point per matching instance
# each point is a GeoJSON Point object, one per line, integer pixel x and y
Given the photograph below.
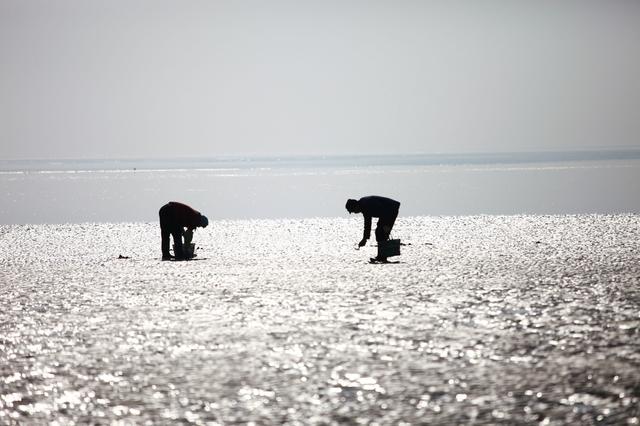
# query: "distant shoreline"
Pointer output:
{"type": "Point", "coordinates": [315, 161]}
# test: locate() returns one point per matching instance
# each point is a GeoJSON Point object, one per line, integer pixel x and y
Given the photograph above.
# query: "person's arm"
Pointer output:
{"type": "Point", "coordinates": [367, 230]}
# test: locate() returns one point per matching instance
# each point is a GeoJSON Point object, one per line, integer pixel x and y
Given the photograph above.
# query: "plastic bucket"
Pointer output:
{"type": "Point", "coordinates": [187, 249]}
{"type": "Point", "coordinates": [389, 248]}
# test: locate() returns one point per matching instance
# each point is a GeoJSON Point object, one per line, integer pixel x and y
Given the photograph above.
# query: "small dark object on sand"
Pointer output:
{"type": "Point", "coordinates": [123, 257]}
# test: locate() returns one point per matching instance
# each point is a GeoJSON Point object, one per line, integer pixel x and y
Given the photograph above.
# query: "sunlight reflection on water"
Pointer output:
{"type": "Point", "coordinates": [463, 189]}
{"type": "Point", "coordinates": [512, 319]}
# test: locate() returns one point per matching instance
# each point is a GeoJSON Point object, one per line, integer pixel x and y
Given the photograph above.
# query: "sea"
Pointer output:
{"type": "Point", "coordinates": [515, 300]}
{"type": "Point", "coordinates": [79, 191]}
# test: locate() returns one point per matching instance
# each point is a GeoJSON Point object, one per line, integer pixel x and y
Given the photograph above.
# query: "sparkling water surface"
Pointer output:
{"type": "Point", "coordinates": [320, 190]}
{"type": "Point", "coordinates": [486, 320]}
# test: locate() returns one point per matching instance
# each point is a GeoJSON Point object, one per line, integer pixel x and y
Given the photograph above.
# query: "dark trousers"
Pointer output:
{"type": "Point", "coordinates": [383, 229]}
{"type": "Point", "coordinates": [170, 226]}
{"type": "Point", "coordinates": [384, 226]}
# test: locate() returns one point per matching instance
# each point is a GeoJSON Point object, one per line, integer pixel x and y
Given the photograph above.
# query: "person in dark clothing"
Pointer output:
{"type": "Point", "coordinates": [385, 209]}
{"type": "Point", "coordinates": [174, 217]}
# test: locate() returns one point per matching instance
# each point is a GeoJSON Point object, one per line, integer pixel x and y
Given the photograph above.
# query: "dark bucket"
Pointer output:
{"type": "Point", "coordinates": [187, 250]}
{"type": "Point", "coordinates": [389, 248]}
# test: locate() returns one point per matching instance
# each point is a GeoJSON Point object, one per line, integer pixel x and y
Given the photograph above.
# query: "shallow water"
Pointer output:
{"type": "Point", "coordinates": [320, 190]}
{"type": "Point", "coordinates": [486, 319]}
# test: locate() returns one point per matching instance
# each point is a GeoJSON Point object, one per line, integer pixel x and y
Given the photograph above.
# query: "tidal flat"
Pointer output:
{"type": "Point", "coordinates": [485, 320]}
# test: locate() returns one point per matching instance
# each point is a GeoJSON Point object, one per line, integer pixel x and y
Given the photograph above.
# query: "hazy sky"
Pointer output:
{"type": "Point", "coordinates": [158, 78]}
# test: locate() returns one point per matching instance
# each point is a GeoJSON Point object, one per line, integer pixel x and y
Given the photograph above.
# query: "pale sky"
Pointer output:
{"type": "Point", "coordinates": [159, 78]}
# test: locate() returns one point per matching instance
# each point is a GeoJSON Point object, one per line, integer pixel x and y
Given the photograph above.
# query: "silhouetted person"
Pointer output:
{"type": "Point", "coordinates": [174, 217]}
{"type": "Point", "coordinates": [385, 209]}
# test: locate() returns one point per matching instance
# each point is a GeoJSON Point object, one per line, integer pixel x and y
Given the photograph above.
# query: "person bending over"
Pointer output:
{"type": "Point", "coordinates": [385, 209]}
{"type": "Point", "coordinates": [174, 218]}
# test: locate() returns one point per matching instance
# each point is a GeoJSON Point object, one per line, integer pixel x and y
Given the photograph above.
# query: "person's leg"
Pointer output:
{"type": "Point", "coordinates": [383, 230]}
{"type": "Point", "coordinates": [178, 252]}
{"type": "Point", "coordinates": [187, 235]}
{"type": "Point", "coordinates": [391, 220]}
{"type": "Point", "coordinates": [381, 237]}
{"type": "Point", "coordinates": [165, 243]}
{"type": "Point", "coordinates": [164, 233]}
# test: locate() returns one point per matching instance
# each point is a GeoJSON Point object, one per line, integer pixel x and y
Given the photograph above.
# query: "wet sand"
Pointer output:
{"type": "Point", "coordinates": [486, 319]}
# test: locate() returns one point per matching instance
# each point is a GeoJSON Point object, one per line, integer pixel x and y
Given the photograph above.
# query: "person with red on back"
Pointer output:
{"type": "Point", "coordinates": [174, 218]}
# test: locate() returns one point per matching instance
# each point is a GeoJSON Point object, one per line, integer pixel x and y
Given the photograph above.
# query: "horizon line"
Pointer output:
{"type": "Point", "coordinates": [262, 156]}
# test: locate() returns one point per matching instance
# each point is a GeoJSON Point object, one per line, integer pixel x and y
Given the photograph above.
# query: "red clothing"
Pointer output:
{"type": "Point", "coordinates": [182, 215]}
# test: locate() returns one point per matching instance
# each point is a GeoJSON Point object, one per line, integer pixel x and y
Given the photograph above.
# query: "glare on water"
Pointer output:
{"type": "Point", "coordinates": [492, 319]}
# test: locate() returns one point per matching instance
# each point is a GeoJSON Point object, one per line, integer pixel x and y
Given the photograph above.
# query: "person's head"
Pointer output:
{"type": "Point", "coordinates": [203, 221]}
{"type": "Point", "coordinates": [353, 206]}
